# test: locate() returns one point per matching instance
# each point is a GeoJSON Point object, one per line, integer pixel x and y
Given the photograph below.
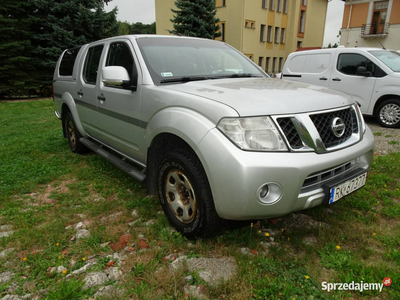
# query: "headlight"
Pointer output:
{"type": "Point", "coordinates": [360, 117]}
{"type": "Point", "coordinates": [256, 133]}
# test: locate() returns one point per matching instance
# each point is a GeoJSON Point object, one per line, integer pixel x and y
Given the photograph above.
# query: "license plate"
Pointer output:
{"type": "Point", "coordinates": [347, 187]}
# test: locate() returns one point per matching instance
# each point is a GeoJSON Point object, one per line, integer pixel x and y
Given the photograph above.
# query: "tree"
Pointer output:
{"type": "Point", "coordinates": [195, 18]}
{"type": "Point", "coordinates": [61, 24]}
{"type": "Point", "coordinates": [17, 73]}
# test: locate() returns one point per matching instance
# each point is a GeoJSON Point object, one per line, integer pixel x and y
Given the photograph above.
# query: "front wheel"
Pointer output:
{"type": "Point", "coordinates": [185, 194]}
{"type": "Point", "coordinates": [388, 113]}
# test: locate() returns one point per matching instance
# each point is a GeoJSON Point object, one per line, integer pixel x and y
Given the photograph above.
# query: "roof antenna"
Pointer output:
{"type": "Point", "coordinates": [383, 47]}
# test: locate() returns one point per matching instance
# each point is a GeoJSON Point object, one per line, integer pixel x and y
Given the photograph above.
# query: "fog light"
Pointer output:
{"type": "Point", "coordinates": [269, 193]}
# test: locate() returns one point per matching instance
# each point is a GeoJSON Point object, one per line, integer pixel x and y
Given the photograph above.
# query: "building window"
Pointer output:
{"type": "Point", "coordinates": [250, 24]}
{"type": "Point", "coordinates": [299, 44]}
{"type": "Point", "coordinates": [269, 34]}
{"type": "Point", "coordinates": [283, 31]}
{"type": "Point", "coordinates": [249, 56]}
{"type": "Point", "coordinates": [285, 6]}
{"type": "Point", "coordinates": [274, 65]}
{"type": "Point", "coordinates": [271, 4]}
{"type": "Point", "coordinates": [277, 29]}
{"type": "Point", "coordinates": [222, 31]}
{"type": "Point", "coordinates": [263, 33]}
{"type": "Point", "coordinates": [278, 6]}
{"type": "Point", "coordinates": [220, 3]}
{"type": "Point", "coordinates": [280, 64]}
{"type": "Point", "coordinates": [379, 17]}
{"type": "Point", "coordinates": [264, 4]}
{"type": "Point", "coordinates": [304, 2]}
{"type": "Point", "coordinates": [267, 64]}
{"type": "Point", "coordinates": [261, 61]}
{"type": "Point", "coordinates": [302, 21]}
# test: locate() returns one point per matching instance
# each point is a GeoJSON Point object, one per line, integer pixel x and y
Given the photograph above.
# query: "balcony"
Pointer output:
{"type": "Point", "coordinates": [374, 30]}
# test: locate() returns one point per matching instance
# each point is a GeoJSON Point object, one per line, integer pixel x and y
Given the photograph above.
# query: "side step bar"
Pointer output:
{"type": "Point", "coordinates": [115, 160]}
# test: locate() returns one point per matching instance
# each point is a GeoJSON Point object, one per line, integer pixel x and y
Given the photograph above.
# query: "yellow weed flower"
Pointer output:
{"type": "Point", "coordinates": [24, 259]}
{"type": "Point", "coordinates": [306, 277]}
{"type": "Point", "coordinates": [59, 257]}
{"type": "Point", "coordinates": [337, 247]}
{"type": "Point", "coordinates": [373, 233]}
{"type": "Point", "coordinates": [64, 272]}
{"type": "Point", "coordinates": [58, 244]}
{"type": "Point", "coordinates": [83, 258]}
{"type": "Point", "coordinates": [266, 234]}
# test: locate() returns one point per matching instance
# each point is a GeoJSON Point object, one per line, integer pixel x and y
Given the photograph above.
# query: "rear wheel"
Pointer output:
{"type": "Point", "coordinates": [185, 194]}
{"type": "Point", "coordinates": [73, 135]}
{"type": "Point", "coordinates": [388, 113]}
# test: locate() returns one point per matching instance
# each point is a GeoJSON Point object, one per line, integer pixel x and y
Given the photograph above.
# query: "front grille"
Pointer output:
{"type": "Point", "coordinates": [323, 123]}
{"type": "Point", "coordinates": [290, 132]}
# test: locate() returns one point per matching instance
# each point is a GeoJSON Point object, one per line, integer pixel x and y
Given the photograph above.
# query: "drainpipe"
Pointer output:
{"type": "Point", "coordinates": [242, 26]}
{"type": "Point", "coordinates": [348, 23]}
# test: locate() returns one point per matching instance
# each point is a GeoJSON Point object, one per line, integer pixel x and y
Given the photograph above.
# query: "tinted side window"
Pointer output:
{"type": "Point", "coordinates": [92, 64]}
{"type": "Point", "coordinates": [67, 62]}
{"type": "Point", "coordinates": [349, 62]}
{"type": "Point", "coordinates": [120, 55]}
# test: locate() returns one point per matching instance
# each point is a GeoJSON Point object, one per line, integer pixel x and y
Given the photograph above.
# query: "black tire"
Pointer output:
{"type": "Point", "coordinates": [388, 113]}
{"type": "Point", "coordinates": [73, 135]}
{"type": "Point", "coordinates": [185, 194]}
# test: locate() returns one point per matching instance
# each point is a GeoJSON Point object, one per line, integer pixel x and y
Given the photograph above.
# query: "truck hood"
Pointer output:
{"type": "Point", "coordinates": [265, 96]}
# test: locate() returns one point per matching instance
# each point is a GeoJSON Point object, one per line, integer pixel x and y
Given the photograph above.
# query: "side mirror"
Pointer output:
{"type": "Point", "coordinates": [115, 75]}
{"type": "Point", "coordinates": [362, 71]}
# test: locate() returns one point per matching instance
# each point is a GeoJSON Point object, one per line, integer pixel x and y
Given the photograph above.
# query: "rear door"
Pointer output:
{"type": "Point", "coordinates": [119, 109]}
{"type": "Point", "coordinates": [87, 85]}
{"type": "Point", "coordinates": [344, 77]}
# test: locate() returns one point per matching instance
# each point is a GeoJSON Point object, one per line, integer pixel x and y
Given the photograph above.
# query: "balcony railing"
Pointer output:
{"type": "Point", "coordinates": [374, 30]}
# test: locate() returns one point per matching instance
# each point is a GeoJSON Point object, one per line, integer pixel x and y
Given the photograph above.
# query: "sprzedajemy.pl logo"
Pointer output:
{"type": "Point", "coordinates": [356, 286]}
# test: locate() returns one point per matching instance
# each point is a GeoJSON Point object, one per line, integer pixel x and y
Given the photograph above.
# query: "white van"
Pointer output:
{"type": "Point", "coordinates": [370, 75]}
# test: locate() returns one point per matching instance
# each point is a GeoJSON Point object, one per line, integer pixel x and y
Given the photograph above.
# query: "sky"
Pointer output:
{"type": "Point", "coordinates": [143, 11]}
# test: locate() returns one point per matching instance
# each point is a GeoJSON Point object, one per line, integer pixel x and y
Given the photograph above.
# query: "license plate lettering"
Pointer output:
{"type": "Point", "coordinates": [347, 187]}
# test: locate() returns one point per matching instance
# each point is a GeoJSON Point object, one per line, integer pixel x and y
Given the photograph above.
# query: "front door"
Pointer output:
{"type": "Point", "coordinates": [345, 79]}
{"type": "Point", "coordinates": [119, 109]}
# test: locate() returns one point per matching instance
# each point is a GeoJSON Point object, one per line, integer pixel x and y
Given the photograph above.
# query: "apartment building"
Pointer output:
{"type": "Point", "coordinates": [370, 23]}
{"type": "Point", "coordinates": [266, 31]}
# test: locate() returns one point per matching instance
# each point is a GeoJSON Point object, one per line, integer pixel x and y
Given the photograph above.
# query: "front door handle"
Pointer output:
{"type": "Point", "coordinates": [323, 78]}
{"type": "Point", "coordinates": [337, 79]}
{"type": "Point", "coordinates": [80, 93]}
{"type": "Point", "coordinates": [101, 98]}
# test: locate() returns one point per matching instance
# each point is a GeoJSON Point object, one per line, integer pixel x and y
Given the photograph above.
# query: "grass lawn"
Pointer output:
{"type": "Point", "coordinates": [45, 190]}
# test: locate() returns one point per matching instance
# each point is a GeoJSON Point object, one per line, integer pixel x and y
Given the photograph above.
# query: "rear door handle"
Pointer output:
{"type": "Point", "coordinates": [323, 78]}
{"type": "Point", "coordinates": [80, 93]}
{"type": "Point", "coordinates": [336, 79]}
{"type": "Point", "coordinates": [101, 98]}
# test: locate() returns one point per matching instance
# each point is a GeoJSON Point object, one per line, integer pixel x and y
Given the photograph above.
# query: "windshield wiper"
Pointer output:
{"type": "Point", "coordinates": [184, 79]}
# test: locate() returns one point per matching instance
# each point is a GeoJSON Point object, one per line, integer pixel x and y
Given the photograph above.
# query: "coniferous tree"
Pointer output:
{"type": "Point", "coordinates": [62, 24]}
{"type": "Point", "coordinates": [195, 18]}
{"type": "Point", "coordinates": [17, 73]}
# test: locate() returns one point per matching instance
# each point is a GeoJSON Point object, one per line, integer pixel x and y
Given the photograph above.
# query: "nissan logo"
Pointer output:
{"type": "Point", "coordinates": [338, 127]}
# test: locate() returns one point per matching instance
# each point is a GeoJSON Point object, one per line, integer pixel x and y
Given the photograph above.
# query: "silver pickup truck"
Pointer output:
{"type": "Point", "coordinates": [208, 130]}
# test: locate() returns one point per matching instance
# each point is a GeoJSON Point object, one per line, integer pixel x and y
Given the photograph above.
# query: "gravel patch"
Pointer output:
{"type": "Point", "coordinates": [386, 139]}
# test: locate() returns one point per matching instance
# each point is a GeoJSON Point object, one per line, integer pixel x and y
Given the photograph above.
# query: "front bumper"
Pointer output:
{"type": "Point", "coordinates": [236, 176]}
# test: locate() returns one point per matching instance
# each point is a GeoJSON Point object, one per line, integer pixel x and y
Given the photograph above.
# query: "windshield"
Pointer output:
{"type": "Point", "coordinates": [186, 59]}
{"type": "Point", "coordinates": [389, 58]}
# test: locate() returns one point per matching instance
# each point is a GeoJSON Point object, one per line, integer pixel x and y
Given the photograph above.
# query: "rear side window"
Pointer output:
{"type": "Point", "coordinates": [68, 61]}
{"type": "Point", "coordinates": [92, 64]}
{"type": "Point", "coordinates": [349, 62]}
{"type": "Point", "coordinates": [120, 55]}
